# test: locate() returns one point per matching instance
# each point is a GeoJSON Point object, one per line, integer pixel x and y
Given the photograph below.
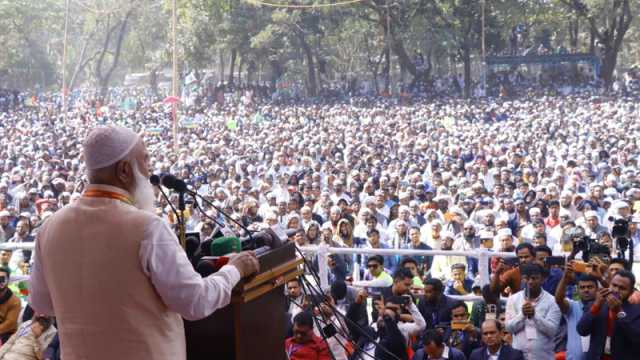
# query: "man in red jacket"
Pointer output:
{"type": "Point", "coordinates": [305, 345]}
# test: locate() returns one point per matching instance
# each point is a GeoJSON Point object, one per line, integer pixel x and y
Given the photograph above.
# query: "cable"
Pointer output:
{"type": "Point", "coordinates": [300, 6]}
{"type": "Point", "coordinates": [204, 213]}
{"type": "Point", "coordinates": [317, 278]}
{"type": "Point", "coordinates": [179, 219]}
{"type": "Point", "coordinates": [307, 285]}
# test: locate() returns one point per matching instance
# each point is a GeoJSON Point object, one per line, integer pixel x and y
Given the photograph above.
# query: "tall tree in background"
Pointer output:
{"type": "Point", "coordinates": [608, 22]}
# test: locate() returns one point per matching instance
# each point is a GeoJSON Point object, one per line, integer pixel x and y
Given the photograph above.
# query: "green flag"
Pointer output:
{"type": "Point", "coordinates": [232, 124]}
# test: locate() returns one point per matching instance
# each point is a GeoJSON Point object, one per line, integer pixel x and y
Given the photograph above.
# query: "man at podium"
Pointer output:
{"type": "Point", "coordinates": [112, 272]}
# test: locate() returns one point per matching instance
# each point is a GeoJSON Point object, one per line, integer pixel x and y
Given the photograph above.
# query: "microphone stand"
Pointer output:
{"type": "Point", "coordinates": [204, 213]}
{"type": "Point", "coordinates": [198, 196]}
{"type": "Point", "coordinates": [179, 219]}
{"type": "Point", "coordinates": [182, 231]}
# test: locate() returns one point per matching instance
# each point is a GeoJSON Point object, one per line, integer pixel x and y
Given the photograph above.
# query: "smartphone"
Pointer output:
{"type": "Point", "coordinates": [554, 261]}
{"type": "Point", "coordinates": [580, 266]}
{"type": "Point", "coordinates": [491, 312]}
{"type": "Point", "coordinates": [459, 325]}
{"type": "Point", "coordinates": [407, 300]}
{"type": "Point", "coordinates": [526, 291]}
{"type": "Point", "coordinates": [512, 261]}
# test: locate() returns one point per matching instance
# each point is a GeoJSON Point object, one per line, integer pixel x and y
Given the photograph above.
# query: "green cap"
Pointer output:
{"type": "Point", "coordinates": [225, 245]}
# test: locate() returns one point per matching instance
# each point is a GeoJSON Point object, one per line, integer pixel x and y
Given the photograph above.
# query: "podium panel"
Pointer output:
{"type": "Point", "coordinates": [253, 325]}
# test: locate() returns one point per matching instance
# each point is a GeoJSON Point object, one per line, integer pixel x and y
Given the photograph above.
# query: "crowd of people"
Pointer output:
{"type": "Point", "coordinates": [545, 178]}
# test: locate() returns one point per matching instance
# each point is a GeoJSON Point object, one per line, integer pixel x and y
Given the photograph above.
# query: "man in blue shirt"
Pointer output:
{"type": "Point", "coordinates": [577, 346]}
{"type": "Point", "coordinates": [554, 274]}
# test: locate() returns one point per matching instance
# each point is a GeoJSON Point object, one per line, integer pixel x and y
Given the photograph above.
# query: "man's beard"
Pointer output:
{"type": "Point", "coordinates": [143, 193]}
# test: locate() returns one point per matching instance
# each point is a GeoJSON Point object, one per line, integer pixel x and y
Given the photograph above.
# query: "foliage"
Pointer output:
{"type": "Point", "coordinates": [242, 41]}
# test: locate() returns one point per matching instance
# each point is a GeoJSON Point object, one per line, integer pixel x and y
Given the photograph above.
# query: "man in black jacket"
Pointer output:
{"type": "Point", "coordinates": [435, 307]}
{"type": "Point", "coordinates": [612, 322]}
{"type": "Point", "coordinates": [494, 347]}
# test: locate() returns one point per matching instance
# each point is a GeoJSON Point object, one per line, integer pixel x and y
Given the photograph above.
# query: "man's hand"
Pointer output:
{"type": "Point", "coordinates": [362, 296]}
{"type": "Point", "coordinates": [246, 262]}
{"type": "Point", "coordinates": [598, 268]}
{"type": "Point", "coordinates": [601, 296]}
{"type": "Point", "coordinates": [569, 274]}
{"type": "Point", "coordinates": [614, 301]}
{"type": "Point", "coordinates": [501, 268]}
{"type": "Point", "coordinates": [528, 310]}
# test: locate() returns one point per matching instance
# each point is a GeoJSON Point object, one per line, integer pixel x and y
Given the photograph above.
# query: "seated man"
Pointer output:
{"type": "Point", "coordinates": [30, 341]}
{"type": "Point", "coordinates": [305, 344]}
{"type": "Point", "coordinates": [441, 267]}
{"type": "Point", "coordinates": [10, 307]}
{"type": "Point", "coordinates": [494, 347]}
{"type": "Point", "coordinates": [436, 349]}
{"type": "Point", "coordinates": [375, 277]}
{"type": "Point", "coordinates": [459, 284]}
{"type": "Point", "coordinates": [412, 265]}
{"type": "Point", "coordinates": [435, 306]}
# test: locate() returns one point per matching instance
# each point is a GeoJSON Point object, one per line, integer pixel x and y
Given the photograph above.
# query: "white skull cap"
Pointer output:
{"type": "Point", "coordinates": [105, 145]}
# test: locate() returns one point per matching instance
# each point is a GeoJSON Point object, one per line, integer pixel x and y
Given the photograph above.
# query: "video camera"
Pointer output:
{"type": "Point", "coordinates": [620, 233]}
{"type": "Point", "coordinates": [583, 243]}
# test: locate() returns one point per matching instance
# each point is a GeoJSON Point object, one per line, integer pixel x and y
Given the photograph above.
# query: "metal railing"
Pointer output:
{"type": "Point", "coordinates": [483, 256]}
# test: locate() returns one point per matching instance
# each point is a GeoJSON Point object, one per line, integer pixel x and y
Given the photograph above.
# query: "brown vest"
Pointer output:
{"type": "Point", "coordinates": [106, 307]}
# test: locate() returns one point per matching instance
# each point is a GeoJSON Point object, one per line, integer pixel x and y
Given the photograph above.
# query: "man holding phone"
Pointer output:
{"type": "Point", "coordinates": [505, 278]}
{"type": "Point", "coordinates": [577, 346]}
{"type": "Point", "coordinates": [612, 323]}
{"type": "Point", "coordinates": [462, 335]}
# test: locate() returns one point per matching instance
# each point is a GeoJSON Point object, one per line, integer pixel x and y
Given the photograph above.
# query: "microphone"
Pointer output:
{"type": "Point", "coordinates": [171, 182]}
{"type": "Point", "coordinates": [154, 180]}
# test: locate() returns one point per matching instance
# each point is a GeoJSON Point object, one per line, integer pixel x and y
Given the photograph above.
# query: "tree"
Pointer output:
{"type": "Point", "coordinates": [608, 23]}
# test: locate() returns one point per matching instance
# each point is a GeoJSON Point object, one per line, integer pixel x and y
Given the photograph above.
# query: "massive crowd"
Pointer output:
{"type": "Point", "coordinates": [515, 175]}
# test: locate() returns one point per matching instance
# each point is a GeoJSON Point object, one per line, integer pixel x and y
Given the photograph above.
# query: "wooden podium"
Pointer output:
{"type": "Point", "coordinates": [253, 325]}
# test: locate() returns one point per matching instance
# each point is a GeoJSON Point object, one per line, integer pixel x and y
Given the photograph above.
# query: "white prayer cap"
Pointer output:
{"type": "Point", "coordinates": [590, 214]}
{"type": "Point", "coordinates": [105, 145]}
{"type": "Point", "coordinates": [504, 232]}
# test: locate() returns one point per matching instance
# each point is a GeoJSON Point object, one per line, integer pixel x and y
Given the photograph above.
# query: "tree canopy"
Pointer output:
{"type": "Point", "coordinates": [388, 43]}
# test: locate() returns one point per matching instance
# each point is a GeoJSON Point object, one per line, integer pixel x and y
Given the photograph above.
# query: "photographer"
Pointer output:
{"type": "Point", "coordinates": [461, 334]}
{"type": "Point", "coordinates": [509, 280]}
{"type": "Point", "coordinates": [612, 323]}
{"type": "Point", "coordinates": [572, 310]}
{"type": "Point", "coordinates": [385, 329]}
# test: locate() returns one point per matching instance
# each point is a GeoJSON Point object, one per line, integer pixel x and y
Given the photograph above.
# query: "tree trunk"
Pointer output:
{"type": "Point", "coordinates": [386, 71]}
{"type": "Point", "coordinates": [105, 78]}
{"type": "Point", "coordinates": [234, 54]}
{"type": "Point", "coordinates": [153, 81]}
{"type": "Point", "coordinates": [466, 58]}
{"type": "Point", "coordinates": [240, 70]}
{"type": "Point", "coordinates": [592, 41]}
{"type": "Point", "coordinates": [312, 85]}
{"type": "Point", "coordinates": [221, 58]}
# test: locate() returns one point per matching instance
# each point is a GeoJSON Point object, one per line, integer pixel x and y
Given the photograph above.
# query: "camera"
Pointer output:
{"type": "Point", "coordinates": [582, 242]}
{"type": "Point", "coordinates": [620, 233]}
